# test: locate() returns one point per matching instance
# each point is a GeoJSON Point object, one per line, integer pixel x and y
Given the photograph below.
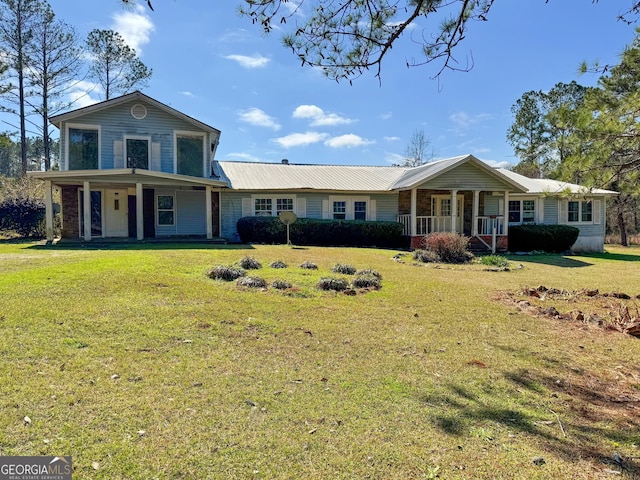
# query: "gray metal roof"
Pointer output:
{"type": "Point", "coordinates": [544, 185]}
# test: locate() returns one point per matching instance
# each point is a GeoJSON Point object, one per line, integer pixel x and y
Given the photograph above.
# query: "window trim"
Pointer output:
{"type": "Point", "coordinates": [521, 200]}
{"type": "Point", "coordinates": [350, 205]}
{"type": "Point", "coordinates": [137, 137]}
{"type": "Point", "coordinates": [82, 126]}
{"type": "Point", "coordinates": [158, 210]}
{"type": "Point", "coordinates": [274, 203]}
{"type": "Point", "coordinates": [580, 221]}
{"type": "Point", "coordinates": [188, 133]}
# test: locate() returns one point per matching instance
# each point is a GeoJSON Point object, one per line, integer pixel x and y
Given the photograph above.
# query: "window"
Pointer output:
{"type": "Point", "coordinates": [189, 154]}
{"type": "Point", "coordinates": [166, 210]}
{"type": "Point", "coordinates": [96, 212]}
{"type": "Point", "coordinates": [522, 211]}
{"type": "Point", "coordinates": [360, 210]}
{"type": "Point", "coordinates": [137, 153]}
{"type": "Point", "coordinates": [339, 210]}
{"type": "Point", "coordinates": [579, 211]}
{"type": "Point", "coordinates": [284, 205]}
{"type": "Point", "coordinates": [263, 207]}
{"type": "Point", "coordinates": [84, 148]}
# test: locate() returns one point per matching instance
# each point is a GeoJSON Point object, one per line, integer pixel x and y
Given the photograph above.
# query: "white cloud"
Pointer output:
{"type": "Point", "coordinates": [385, 116]}
{"type": "Point", "coordinates": [347, 141]}
{"type": "Point", "coordinates": [187, 94]}
{"type": "Point", "coordinates": [392, 139]}
{"type": "Point", "coordinates": [495, 164]}
{"type": "Point", "coordinates": [83, 93]}
{"type": "Point", "coordinates": [300, 139]}
{"type": "Point", "coordinates": [463, 121]}
{"type": "Point", "coordinates": [394, 158]}
{"type": "Point", "coordinates": [257, 117]}
{"type": "Point", "coordinates": [245, 157]}
{"type": "Point", "coordinates": [135, 27]}
{"type": "Point", "coordinates": [256, 61]}
{"type": "Point", "coordinates": [318, 116]}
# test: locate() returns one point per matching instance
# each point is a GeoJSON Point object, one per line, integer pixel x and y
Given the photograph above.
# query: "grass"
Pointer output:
{"type": "Point", "coordinates": [133, 361]}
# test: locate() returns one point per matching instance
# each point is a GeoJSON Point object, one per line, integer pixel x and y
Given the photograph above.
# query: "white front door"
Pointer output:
{"type": "Point", "coordinates": [116, 213]}
{"type": "Point", "coordinates": [441, 209]}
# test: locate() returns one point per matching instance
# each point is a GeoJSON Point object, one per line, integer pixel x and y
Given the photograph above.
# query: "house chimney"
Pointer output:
{"type": "Point", "coordinates": [285, 161]}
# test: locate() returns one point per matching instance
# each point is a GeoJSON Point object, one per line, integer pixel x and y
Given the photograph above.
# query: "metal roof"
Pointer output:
{"type": "Point", "coordinates": [544, 185]}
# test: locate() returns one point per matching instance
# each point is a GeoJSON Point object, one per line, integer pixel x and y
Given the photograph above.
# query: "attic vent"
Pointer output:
{"type": "Point", "coordinates": [138, 111]}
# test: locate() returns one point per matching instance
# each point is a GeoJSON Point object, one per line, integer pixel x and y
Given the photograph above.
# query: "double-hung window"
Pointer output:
{"type": "Point", "coordinates": [284, 205]}
{"type": "Point", "coordinates": [271, 205]}
{"type": "Point", "coordinates": [579, 211]}
{"type": "Point", "coordinates": [359, 210]}
{"type": "Point", "coordinates": [263, 207]}
{"type": "Point", "coordinates": [348, 208]}
{"type": "Point", "coordinates": [166, 210]}
{"type": "Point", "coordinates": [189, 153]}
{"type": "Point", "coordinates": [522, 211]}
{"type": "Point", "coordinates": [83, 147]}
{"type": "Point", "coordinates": [339, 210]}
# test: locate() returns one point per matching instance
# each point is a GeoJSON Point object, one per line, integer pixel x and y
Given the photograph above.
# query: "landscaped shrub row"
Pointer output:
{"type": "Point", "coordinates": [307, 231]}
{"type": "Point", "coordinates": [23, 215]}
{"type": "Point", "coordinates": [548, 238]}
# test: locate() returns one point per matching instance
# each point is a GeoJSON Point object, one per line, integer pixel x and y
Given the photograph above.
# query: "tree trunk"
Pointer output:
{"type": "Point", "coordinates": [622, 227]}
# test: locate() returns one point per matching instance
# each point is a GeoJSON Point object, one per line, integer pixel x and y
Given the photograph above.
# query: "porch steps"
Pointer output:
{"type": "Point", "coordinates": [477, 247]}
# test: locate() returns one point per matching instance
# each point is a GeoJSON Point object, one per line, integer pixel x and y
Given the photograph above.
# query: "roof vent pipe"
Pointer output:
{"type": "Point", "coordinates": [285, 161]}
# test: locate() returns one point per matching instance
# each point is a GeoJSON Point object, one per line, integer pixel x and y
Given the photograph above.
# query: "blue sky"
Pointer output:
{"type": "Point", "coordinates": [216, 66]}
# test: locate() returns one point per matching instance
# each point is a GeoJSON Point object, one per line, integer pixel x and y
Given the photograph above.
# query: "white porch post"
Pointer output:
{"type": "Point", "coordinates": [414, 210]}
{"type": "Point", "coordinates": [454, 210]}
{"type": "Point", "coordinates": [139, 213]}
{"type": "Point", "coordinates": [86, 203]}
{"type": "Point", "coordinates": [506, 213]}
{"type": "Point", "coordinates": [476, 209]}
{"type": "Point", "coordinates": [208, 212]}
{"type": "Point", "coordinates": [48, 209]}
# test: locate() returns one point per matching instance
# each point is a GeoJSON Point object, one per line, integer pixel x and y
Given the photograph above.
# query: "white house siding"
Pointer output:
{"type": "Point", "coordinates": [117, 122]}
{"type": "Point", "coordinates": [189, 212]}
{"type": "Point", "coordinates": [231, 207]}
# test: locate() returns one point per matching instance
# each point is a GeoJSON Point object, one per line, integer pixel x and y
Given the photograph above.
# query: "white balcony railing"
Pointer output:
{"type": "Point", "coordinates": [429, 224]}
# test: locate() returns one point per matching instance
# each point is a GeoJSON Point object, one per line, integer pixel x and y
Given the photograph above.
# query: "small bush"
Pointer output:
{"type": "Point", "coordinates": [251, 282]}
{"type": "Point", "coordinates": [366, 281]}
{"type": "Point", "coordinates": [226, 273]}
{"type": "Point", "coordinates": [344, 269]}
{"type": "Point", "coordinates": [332, 283]}
{"type": "Point", "coordinates": [309, 265]}
{"type": "Point", "coordinates": [280, 284]}
{"type": "Point", "coordinates": [548, 238]}
{"type": "Point", "coordinates": [22, 215]}
{"type": "Point", "coordinates": [449, 247]}
{"type": "Point", "coordinates": [249, 263]}
{"type": "Point", "coordinates": [495, 261]}
{"type": "Point", "coordinates": [278, 264]}
{"type": "Point", "coordinates": [368, 271]}
{"type": "Point", "coordinates": [425, 256]}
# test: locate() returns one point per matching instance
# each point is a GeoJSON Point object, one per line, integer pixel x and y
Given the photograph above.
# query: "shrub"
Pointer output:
{"type": "Point", "coordinates": [251, 282]}
{"type": "Point", "coordinates": [344, 269]}
{"type": "Point", "coordinates": [280, 284]}
{"type": "Point", "coordinates": [425, 256]}
{"type": "Point", "coordinates": [278, 264]}
{"type": "Point", "coordinates": [549, 238]}
{"type": "Point", "coordinates": [366, 281]}
{"type": "Point", "coordinates": [226, 273]}
{"type": "Point", "coordinates": [307, 231]}
{"type": "Point", "coordinates": [249, 263]}
{"type": "Point", "coordinates": [495, 261]}
{"type": "Point", "coordinates": [23, 215]}
{"type": "Point", "coordinates": [449, 247]}
{"type": "Point", "coordinates": [332, 283]}
{"type": "Point", "coordinates": [308, 265]}
{"type": "Point", "coordinates": [369, 271]}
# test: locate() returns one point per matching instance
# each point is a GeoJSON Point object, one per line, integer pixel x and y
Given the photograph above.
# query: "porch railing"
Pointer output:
{"type": "Point", "coordinates": [485, 225]}
{"type": "Point", "coordinates": [428, 224]}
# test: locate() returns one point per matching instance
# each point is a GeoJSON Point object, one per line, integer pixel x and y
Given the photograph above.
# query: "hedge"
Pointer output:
{"type": "Point", "coordinates": [548, 238]}
{"type": "Point", "coordinates": [307, 231]}
{"type": "Point", "coordinates": [22, 215]}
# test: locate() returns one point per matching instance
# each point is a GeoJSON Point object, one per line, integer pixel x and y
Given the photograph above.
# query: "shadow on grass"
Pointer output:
{"type": "Point", "coordinates": [620, 257]}
{"type": "Point", "coordinates": [575, 416]}
{"type": "Point", "coordinates": [555, 260]}
{"type": "Point", "coordinates": [138, 245]}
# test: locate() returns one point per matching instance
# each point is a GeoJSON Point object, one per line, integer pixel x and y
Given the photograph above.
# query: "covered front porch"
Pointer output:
{"type": "Point", "coordinates": [478, 214]}
{"type": "Point", "coordinates": [132, 203]}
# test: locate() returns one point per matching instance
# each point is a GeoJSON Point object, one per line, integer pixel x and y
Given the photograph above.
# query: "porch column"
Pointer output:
{"type": "Point", "coordinates": [454, 209]}
{"type": "Point", "coordinates": [208, 212]}
{"type": "Point", "coordinates": [506, 213]}
{"type": "Point", "coordinates": [139, 213]}
{"type": "Point", "coordinates": [86, 204]}
{"type": "Point", "coordinates": [48, 209]}
{"type": "Point", "coordinates": [414, 210]}
{"type": "Point", "coordinates": [476, 209]}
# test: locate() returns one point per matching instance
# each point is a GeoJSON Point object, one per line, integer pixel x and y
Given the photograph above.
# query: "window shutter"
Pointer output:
{"type": "Point", "coordinates": [325, 209]}
{"type": "Point", "coordinates": [301, 207]}
{"type": "Point", "coordinates": [372, 210]}
{"type": "Point", "coordinates": [540, 207]}
{"type": "Point", "coordinates": [118, 154]}
{"type": "Point", "coordinates": [247, 211]}
{"type": "Point", "coordinates": [597, 212]}
{"type": "Point", "coordinates": [562, 211]}
{"type": "Point", "coordinates": [156, 164]}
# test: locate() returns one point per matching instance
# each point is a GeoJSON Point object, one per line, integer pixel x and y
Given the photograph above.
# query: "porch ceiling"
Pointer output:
{"type": "Point", "coordinates": [124, 176]}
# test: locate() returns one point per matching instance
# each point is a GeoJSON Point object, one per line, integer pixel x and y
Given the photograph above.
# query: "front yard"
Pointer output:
{"type": "Point", "coordinates": [134, 362]}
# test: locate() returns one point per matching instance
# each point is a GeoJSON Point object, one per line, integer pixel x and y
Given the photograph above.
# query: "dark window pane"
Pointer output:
{"type": "Point", "coordinates": [137, 153]}
{"type": "Point", "coordinates": [83, 149]}
{"type": "Point", "coordinates": [190, 153]}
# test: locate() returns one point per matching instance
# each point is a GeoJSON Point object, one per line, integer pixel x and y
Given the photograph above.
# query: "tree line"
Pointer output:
{"type": "Point", "coordinates": [42, 60]}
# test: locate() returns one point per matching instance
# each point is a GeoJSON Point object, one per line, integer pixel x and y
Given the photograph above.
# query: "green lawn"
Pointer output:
{"type": "Point", "coordinates": [131, 360]}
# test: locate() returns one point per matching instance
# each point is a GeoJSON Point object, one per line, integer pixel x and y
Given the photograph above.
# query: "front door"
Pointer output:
{"type": "Point", "coordinates": [116, 213]}
{"type": "Point", "coordinates": [441, 209]}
